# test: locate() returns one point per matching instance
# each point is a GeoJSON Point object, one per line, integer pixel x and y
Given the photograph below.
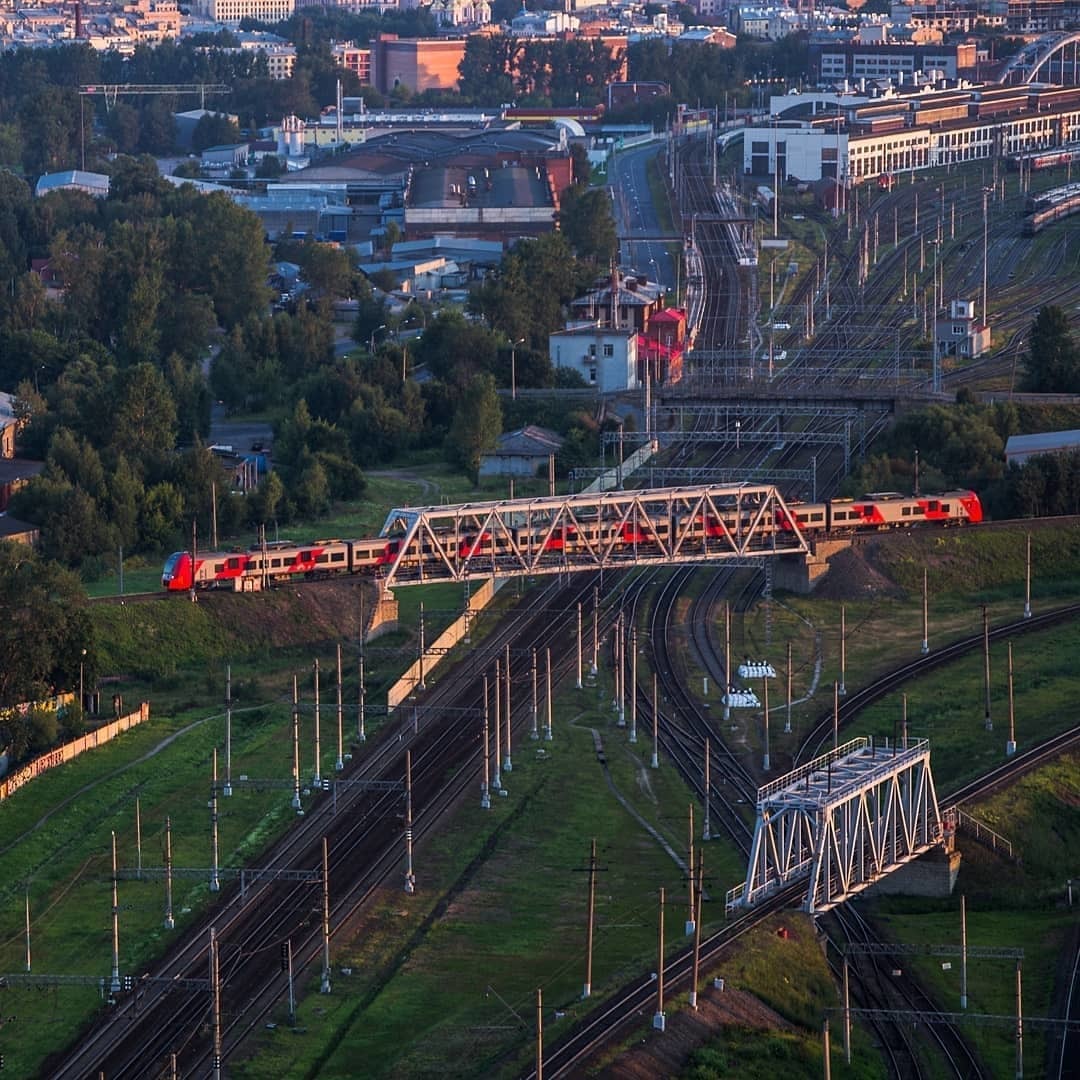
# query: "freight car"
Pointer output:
{"type": "Point", "coordinates": [258, 567]}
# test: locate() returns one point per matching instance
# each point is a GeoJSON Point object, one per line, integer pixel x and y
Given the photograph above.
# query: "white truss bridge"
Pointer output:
{"type": "Point", "coordinates": [587, 531]}
{"type": "Point", "coordinates": [841, 822]}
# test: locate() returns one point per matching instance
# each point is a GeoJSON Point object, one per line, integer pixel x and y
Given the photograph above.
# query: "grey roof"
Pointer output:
{"type": "Point", "coordinates": [1047, 442]}
{"type": "Point", "coordinates": [97, 182]}
{"type": "Point", "coordinates": [529, 441]}
{"type": "Point", "coordinates": [10, 526]}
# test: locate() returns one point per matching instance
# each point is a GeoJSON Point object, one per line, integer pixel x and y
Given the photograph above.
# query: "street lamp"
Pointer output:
{"type": "Point", "coordinates": [371, 340]}
{"type": "Point", "coordinates": [82, 695]}
{"type": "Point", "coordinates": [738, 426]}
{"type": "Point", "coordinates": [513, 368]}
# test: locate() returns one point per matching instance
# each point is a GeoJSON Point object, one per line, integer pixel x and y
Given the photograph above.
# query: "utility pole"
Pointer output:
{"type": "Point", "coordinates": [697, 931]}
{"type": "Point", "coordinates": [633, 684]}
{"type": "Point", "coordinates": [317, 780]}
{"type": "Point", "coordinates": [787, 721]}
{"type": "Point", "coordinates": [689, 929]}
{"type": "Point", "coordinates": [835, 715]}
{"type": "Point", "coordinates": [508, 764]}
{"type": "Point", "coordinates": [410, 877]}
{"type": "Point", "coordinates": [296, 745]}
{"type": "Point", "coordinates": [114, 985]}
{"type": "Point", "coordinates": [496, 781]}
{"type": "Point", "coordinates": [595, 632]}
{"type": "Point", "coordinates": [727, 658]}
{"type": "Point", "coordinates": [587, 991]}
{"type": "Point", "coordinates": [579, 683]}
{"type": "Point", "coordinates": [539, 1033]}
{"type": "Point", "coordinates": [170, 922]}
{"type": "Point", "coordinates": [765, 722]}
{"type": "Point", "coordinates": [925, 614]}
{"type": "Point", "coordinates": [986, 665]}
{"type": "Point", "coordinates": [324, 985]}
{"type": "Point", "coordinates": [963, 952]}
{"type": "Point", "coordinates": [535, 732]}
{"type": "Point", "coordinates": [28, 927]}
{"type": "Point", "coordinates": [547, 673]}
{"type": "Point", "coordinates": [287, 949]}
{"type": "Point", "coordinates": [215, 882]}
{"type": "Point", "coordinates": [227, 789]}
{"type": "Point", "coordinates": [658, 1018]}
{"type": "Point", "coordinates": [485, 795]}
{"type": "Point", "coordinates": [655, 726]}
{"type": "Point", "coordinates": [843, 649]}
{"type": "Point", "coordinates": [1027, 580]}
{"type": "Point", "coordinates": [138, 839]}
{"type": "Point", "coordinates": [361, 733]}
{"type": "Point", "coordinates": [1010, 746]}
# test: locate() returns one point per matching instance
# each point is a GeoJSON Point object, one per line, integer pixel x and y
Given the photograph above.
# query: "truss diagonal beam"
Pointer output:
{"type": "Point", "coordinates": [585, 532]}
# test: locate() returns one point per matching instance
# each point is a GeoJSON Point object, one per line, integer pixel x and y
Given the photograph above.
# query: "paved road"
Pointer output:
{"type": "Point", "coordinates": [636, 216]}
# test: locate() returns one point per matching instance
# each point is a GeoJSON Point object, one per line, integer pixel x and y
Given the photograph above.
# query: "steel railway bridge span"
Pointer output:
{"type": "Point", "coordinates": [841, 822]}
{"type": "Point", "coordinates": [594, 531]}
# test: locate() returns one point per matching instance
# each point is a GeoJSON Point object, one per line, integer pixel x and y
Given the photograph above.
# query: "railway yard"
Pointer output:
{"type": "Point", "coordinates": [848, 329]}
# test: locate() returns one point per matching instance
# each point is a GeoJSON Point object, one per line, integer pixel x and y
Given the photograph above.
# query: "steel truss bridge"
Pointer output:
{"type": "Point", "coordinates": [841, 822]}
{"type": "Point", "coordinates": [1052, 58]}
{"type": "Point", "coordinates": [583, 532]}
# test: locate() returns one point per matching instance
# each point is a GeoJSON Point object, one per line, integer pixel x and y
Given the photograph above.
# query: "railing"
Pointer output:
{"type": "Point", "coordinates": [984, 834]}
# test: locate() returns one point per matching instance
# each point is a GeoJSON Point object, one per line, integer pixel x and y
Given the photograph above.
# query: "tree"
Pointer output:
{"type": "Point", "coordinates": [587, 222]}
{"type": "Point", "coordinates": [1053, 365]}
{"type": "Point", "coordinates": [44, 630]}
{"type": "Point", "coordinates": [477, 425]}
{"type": "Point", "coordinates": [214, 129]}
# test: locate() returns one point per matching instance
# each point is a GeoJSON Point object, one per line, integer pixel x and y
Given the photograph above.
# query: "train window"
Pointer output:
{"type": "Point", "coordinates": [359, 553]}
{"type": "Point", "coordinates": [945, 508]}
{"type": "Point", "coordinates": [839, 515]}
{"type": "Point", "coordinates": [906, 512]}
{"type": "Point", "coordinates": [917, 510]}
{"type": "Point", "coordinates": [338, 556]}
{"type": "Point", "coordinates": [305, 556]}
{"type": "Point", "coordinates": [817, 517]}
{"type": "Point", "coordinates": [233, 564]}
{"type": "Point", "coordinates": [275, 562]}
{"type": "Point", "coordinates": [218, 567]}
{"type": "Point", "coordinates": [324, 558]}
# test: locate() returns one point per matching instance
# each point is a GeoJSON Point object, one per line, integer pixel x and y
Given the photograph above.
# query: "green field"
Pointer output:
{"type": "Point", "coordinates": [501, 902]}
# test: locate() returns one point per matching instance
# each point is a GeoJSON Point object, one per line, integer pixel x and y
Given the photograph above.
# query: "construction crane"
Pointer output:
{"type": "Point", "coordinates": [111, 91]}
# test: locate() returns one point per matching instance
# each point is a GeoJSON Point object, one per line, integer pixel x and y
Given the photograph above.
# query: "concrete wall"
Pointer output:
{"type": "Point", "coordinates": [438, 649]}
{"type": "Point", "coordinates": [72, 749]}
{"type": "Point", "coordinates": [932, 874]}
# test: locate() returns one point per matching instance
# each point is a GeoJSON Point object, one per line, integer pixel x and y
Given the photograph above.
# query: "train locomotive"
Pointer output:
{"type": "Point", "coordinates": [282, 562]}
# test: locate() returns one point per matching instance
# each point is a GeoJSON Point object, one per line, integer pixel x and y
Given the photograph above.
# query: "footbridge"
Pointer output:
{"type": "Point", "coordinates": [841, 822]}
{"type": "Point", "coordinates": [588, 531]}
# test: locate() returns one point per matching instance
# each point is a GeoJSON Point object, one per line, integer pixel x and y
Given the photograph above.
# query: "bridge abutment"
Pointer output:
{"type": "Point", "coordinates": [801, 573]}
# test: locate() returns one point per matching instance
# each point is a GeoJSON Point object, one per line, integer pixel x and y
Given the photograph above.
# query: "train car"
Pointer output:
{"type": "Point", "coordinates": [249, 570]}
{"type": "Point", "coordinates": [891, 510]}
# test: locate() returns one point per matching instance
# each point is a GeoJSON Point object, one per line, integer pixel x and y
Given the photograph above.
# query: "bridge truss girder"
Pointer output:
{"type": "Point", "coordinates": [841, 822]}
{"type": "Point", "coordinates": [588, 531]}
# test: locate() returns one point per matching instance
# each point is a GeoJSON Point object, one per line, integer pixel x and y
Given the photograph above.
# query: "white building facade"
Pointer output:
{"type": "Point", "coordinates": [606, 359]}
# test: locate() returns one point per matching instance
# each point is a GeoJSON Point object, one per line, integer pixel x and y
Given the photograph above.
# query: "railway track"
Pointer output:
{"type": "Point", "coordinates": [139, 1036]}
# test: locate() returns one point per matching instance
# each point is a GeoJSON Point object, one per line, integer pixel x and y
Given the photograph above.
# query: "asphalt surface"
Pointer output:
{"type": "Point", "coordinates": [636, 217]}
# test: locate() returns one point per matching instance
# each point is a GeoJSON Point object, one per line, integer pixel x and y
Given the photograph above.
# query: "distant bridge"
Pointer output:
{"type": "Point", "coordinates": [1052, 58]}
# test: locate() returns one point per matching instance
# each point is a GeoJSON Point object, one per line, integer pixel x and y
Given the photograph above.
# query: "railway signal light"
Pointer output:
{"type": "Point", "coordinates": [284, 956]}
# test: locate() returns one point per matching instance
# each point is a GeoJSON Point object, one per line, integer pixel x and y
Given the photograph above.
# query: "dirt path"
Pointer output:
{"type": "Point", "coordinates": [427, 487]}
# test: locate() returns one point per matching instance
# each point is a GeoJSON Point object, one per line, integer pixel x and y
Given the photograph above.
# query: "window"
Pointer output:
{"type": "Point", "coordinates": [906, 512]}
{"type": "Point", "coordinates": [338, 556]}
{"type": "Point", "coordinates": [817, 517]}
{"type": "Point", "coordinates": [609, 350]}
{"type": "Point", "coordinates": [275, 562]}
{"type": "Point", "coordinates": [592, 350]}
{"type": "Point", "coordinates": [305, 556]}
{"type": "Point", "coordinates": [839, 515]}
{"type": "Point", "coordinates": [592, 374]}
{"type": "Point", "coordinates": [218, 567]}
{"type": "Point", "coordinates": [324, 558]}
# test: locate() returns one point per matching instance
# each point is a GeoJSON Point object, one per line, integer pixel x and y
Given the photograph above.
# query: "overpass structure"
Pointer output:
{"type": "Point", "coordinates": [841, 822]}
{"type": "Point", "coordinates": [588, 531]}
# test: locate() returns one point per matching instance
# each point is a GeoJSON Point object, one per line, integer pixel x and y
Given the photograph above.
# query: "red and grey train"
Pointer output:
{"type": "Point", "coordinates": [244, 571]}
